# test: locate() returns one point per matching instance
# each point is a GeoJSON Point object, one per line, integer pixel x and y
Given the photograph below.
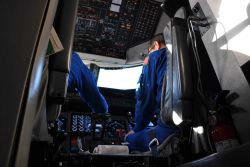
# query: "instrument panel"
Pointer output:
{"type": "Point", "coordinates": [109, 27]}
{"type": "Point", "coordinates": [79, 129]}
{"type": "Point", "coordinates": [116, 130]}
{"type": "Point", "coordinates": [91, 129]}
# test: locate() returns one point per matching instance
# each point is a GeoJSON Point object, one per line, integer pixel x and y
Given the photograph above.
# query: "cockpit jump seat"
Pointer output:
{"type": "Point", "coordinates": [59, 63]}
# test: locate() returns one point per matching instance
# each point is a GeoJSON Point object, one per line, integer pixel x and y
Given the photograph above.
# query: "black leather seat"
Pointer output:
{"type": "Point", "coordinates": [59, 63]}
{"type": "Point", "coordinates": [180, 104]}
{"type": "Point", "coordinates": [177, 94]}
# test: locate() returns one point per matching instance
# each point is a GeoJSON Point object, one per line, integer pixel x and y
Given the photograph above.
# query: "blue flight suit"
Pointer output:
{"type": "Point", "coordinates": [83, 81]}
{"type": "Point", "coordinates": [148, 103]}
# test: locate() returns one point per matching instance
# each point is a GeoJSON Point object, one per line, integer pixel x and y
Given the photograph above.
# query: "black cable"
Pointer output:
{"type": "Point", "coordinates": [199, 84]}
{"type": "Point", "coordinates": [194, 46]}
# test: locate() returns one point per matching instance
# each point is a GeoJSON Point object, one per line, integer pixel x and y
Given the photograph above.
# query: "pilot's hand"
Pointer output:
{"type": "Point", "coordinates": [129, 133]}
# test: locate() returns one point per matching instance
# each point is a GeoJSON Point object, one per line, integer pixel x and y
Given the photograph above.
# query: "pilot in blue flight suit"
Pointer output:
{"type": "Point", "coordinates": [83, 81]}
{"type": "Point", "coordinates": [148, 98]}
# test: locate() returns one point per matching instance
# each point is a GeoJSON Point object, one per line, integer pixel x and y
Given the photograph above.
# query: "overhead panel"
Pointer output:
{"type": "Point", "coordinates": [110, 27]}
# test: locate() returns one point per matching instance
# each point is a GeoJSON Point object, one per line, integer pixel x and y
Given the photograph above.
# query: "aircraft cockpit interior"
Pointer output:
{"type": "Point", "coordinates": [205, 88]}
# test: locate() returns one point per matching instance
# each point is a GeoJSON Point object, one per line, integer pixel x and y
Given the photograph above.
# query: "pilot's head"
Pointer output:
{"type": "Point", "coordinates": [156, 43]}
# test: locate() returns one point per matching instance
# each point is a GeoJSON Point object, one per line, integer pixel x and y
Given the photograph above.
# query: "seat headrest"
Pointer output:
{"type": "Point", "coordinates": [167, 34]}
{"type": "Point", "coordinates": [181, 13]}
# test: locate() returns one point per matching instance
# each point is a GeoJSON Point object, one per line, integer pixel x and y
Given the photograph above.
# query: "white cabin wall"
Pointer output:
{"type": "Point", "coordinates": [229, 51]}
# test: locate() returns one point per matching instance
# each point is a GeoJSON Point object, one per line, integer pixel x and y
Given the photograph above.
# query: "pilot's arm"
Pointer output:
{"type": "Point", "coordinates": [82, 79]}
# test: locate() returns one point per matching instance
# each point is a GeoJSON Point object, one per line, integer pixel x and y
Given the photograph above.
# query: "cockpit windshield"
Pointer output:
{"type": "Point", "coordinates": [125, 78]}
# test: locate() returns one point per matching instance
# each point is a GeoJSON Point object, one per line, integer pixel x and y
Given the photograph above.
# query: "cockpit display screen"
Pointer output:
{"type": "Point", "coordinates": [80, 123]}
